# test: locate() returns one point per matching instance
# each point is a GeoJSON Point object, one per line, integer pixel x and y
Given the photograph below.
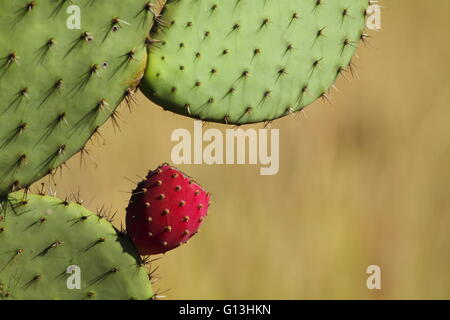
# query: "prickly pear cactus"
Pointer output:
{"type": "Point", "coordinates": [45, 243]}
{"type": "Point", "coordinates": [249, 61]}
{"type": "Point", "coordinates": [64, 68]}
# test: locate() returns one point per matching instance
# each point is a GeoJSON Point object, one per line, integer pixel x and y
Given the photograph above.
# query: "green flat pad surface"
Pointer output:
{"type": "Point", "coordinates": [249, 61]}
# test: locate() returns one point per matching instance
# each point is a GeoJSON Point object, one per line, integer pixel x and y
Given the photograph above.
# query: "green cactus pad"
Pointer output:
{"type": "Point", "coordinates": [246, 61]}
{"type": "Point", "coordinates": [58, 85]}
{"type": "Point", "coordinates": [42, 237]}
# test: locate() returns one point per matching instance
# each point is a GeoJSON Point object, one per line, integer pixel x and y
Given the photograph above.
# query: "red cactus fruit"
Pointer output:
{"type": "Point", "coordinates": [165, 211]}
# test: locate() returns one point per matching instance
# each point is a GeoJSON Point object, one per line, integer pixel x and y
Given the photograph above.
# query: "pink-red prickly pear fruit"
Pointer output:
{"type": "Point", "coordinates": [165, 210]}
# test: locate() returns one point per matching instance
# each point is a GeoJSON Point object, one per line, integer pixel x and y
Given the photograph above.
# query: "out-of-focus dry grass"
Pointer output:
{"type": "Point", "coordinates": [363, 181]}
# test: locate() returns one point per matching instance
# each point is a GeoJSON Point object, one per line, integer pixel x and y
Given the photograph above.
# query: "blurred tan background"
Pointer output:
{"type": "Point", "coordinates": [364, 180]}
